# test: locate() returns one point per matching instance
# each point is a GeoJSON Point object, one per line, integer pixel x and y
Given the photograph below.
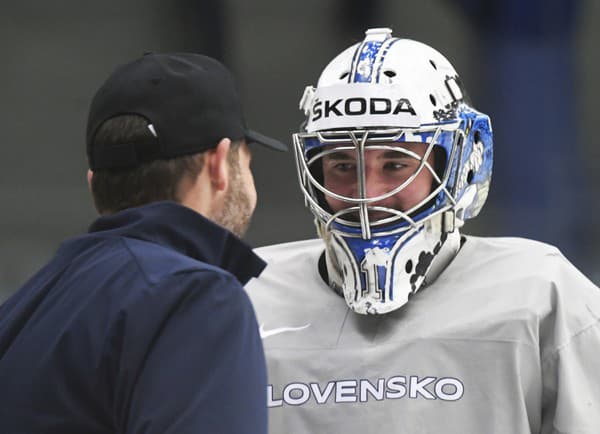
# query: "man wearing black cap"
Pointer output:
{"type": "Point", "coordinates": [142, 324]}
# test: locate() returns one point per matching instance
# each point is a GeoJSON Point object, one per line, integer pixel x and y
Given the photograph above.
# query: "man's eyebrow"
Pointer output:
{"type": "Point", "coordinates": [351, 156]}
{"type": "Point", "coordinates": [339, 156]}
{"type": "Point", "coordinates": [395, 154]}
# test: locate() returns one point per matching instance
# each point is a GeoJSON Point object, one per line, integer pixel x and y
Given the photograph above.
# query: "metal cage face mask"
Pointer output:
{"type": "Point", "coordinates": [391, 161]}
{"type": "Point", "coordinates": [367, 183]}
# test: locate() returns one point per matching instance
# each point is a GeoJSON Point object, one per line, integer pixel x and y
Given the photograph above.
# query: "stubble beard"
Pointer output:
{"type": "Point", "coordinates": [237, 209]}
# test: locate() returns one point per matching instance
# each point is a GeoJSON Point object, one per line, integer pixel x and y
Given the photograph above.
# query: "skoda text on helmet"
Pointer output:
{"type": "Point", "coordinates": [384, 96]}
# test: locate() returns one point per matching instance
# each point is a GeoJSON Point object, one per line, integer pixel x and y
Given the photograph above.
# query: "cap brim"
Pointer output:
{"type": "Point", "coordinates": [254, 137]}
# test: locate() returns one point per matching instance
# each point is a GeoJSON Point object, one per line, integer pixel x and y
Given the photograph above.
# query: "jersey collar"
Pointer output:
{"type": "Point", "coordinates": [184, 230]}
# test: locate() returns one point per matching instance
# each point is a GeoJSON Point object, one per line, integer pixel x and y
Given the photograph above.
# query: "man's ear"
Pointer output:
{"type": "Point", "coordinates": [90, 175]}
{"type": "Point", "coordinates": [218, 166]}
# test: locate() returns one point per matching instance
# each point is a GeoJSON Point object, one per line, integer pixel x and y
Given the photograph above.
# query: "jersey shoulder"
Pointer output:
{"type": "Point", "coordinates": [506, 257]}
{"type": "Point", "coordinates": [290, 251]}
{"type": "Point", "coordinates": [514, 245]}
{"type": "Point", "coordinates": [509, 268]}
{"type": "Point", "coordinates": [523, 269]}
{"type": "Point", "coordinates": [288, 262]}
{"type": "Point", "coordinates": [291, 269]}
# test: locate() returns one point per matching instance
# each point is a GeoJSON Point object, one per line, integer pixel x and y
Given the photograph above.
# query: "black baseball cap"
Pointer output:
{"type": "Point", "coordinates": [189, 99]}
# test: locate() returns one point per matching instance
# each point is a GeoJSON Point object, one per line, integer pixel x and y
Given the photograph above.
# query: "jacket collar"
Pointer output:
{"type": "Point", "coordinates": [184, 230]}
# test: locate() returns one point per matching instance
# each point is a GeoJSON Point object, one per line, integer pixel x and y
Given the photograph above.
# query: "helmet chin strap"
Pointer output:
{"type": "Point", "coordinates": [334, 269]}
{"type": "Point", "coordinates": [376, 280]}
{"type": "Point", "coordinates": [448, 249]}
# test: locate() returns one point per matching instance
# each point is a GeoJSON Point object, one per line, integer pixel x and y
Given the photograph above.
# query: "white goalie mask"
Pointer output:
{"type": "Point", "coordinates": [392, 160]}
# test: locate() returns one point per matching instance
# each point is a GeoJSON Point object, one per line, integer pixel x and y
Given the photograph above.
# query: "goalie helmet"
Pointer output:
{"type": "Point", "coordinates": [401, 102]}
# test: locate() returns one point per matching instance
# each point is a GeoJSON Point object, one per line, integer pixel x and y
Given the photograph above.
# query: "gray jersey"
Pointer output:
{"type": "Point", "coordinates": [506, 340]}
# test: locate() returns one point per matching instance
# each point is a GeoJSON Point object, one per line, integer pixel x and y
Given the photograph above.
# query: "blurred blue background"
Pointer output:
{"type": "Point", "coordinates": [531, 64]}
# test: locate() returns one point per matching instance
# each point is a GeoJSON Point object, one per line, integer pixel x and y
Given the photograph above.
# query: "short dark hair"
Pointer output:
{"type": "Point", "coordinates": [116, 189]}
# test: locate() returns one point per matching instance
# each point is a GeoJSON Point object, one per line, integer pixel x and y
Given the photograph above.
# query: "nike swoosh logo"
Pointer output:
{"type": "Point", "coordinates": [268, 333]}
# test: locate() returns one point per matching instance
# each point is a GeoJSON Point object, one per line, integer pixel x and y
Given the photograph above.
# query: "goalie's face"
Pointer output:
{"type": "Point", "coordinates": [384, 171]}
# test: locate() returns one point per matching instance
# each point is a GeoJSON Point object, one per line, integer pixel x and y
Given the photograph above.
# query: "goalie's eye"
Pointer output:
{"type": "Point", "coordinates": [395, 166]}
{"type": "Point", "coordinates": [344, 167]}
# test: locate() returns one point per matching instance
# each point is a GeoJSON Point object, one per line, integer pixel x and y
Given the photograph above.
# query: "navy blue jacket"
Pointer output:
{"type": "Point", "coordinates": [139, 326]}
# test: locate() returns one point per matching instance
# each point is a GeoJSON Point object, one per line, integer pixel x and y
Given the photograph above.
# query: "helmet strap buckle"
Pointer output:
{"type": "Point", "coordinates": [449, 221]}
